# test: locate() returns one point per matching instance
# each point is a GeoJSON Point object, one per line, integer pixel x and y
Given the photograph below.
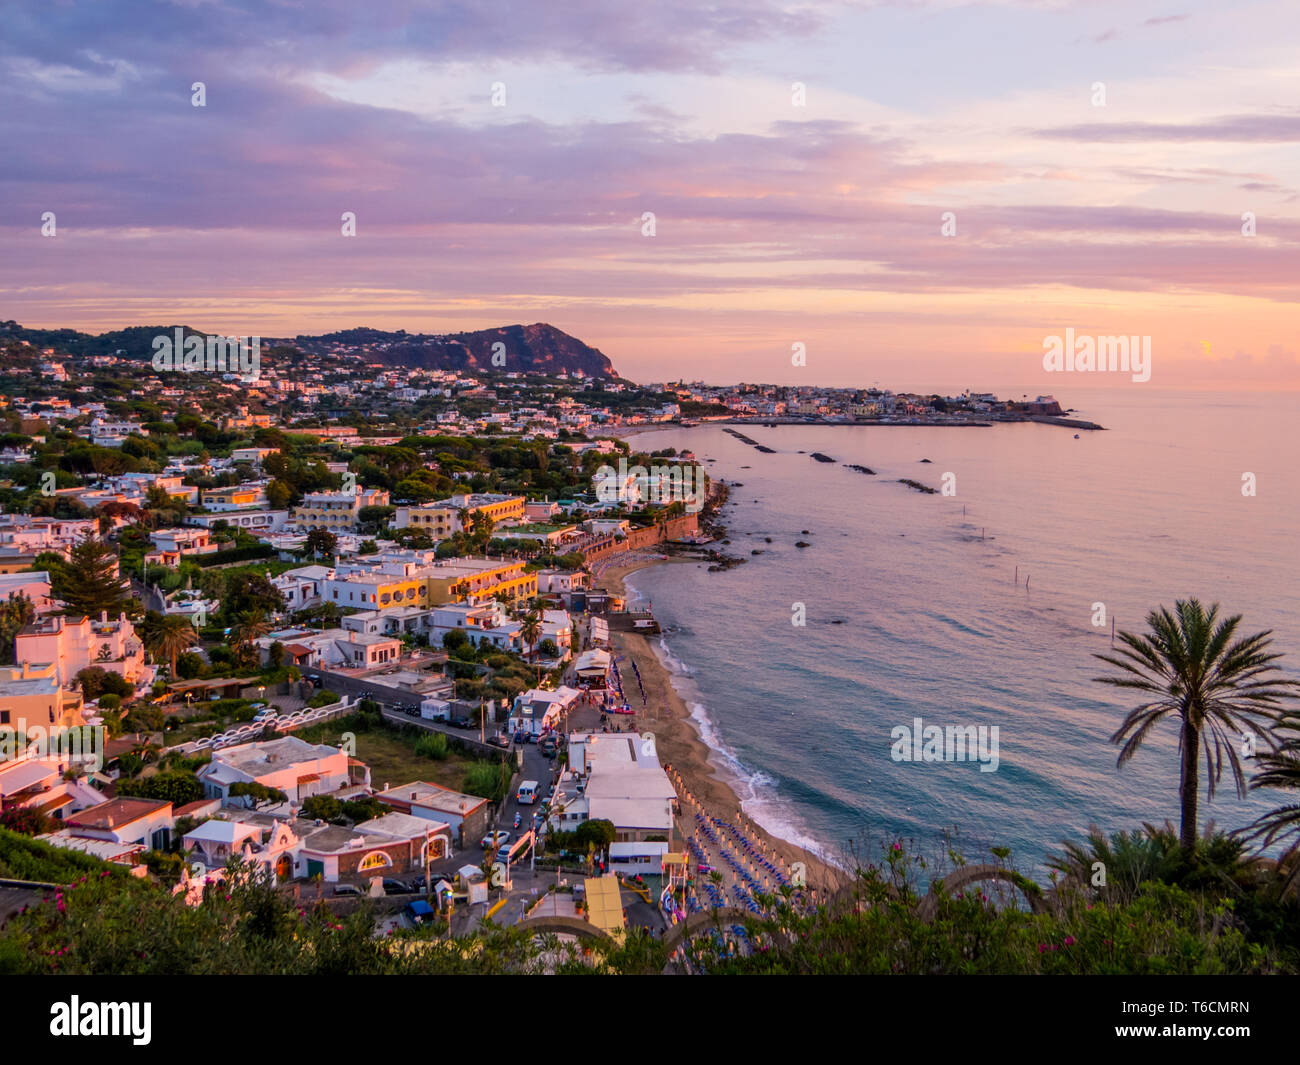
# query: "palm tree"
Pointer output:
{"type": "Point", "coordinates": [171, 637]}
{"type": "Point", "coordinates": [1220, 689]}
{"type": "Point", "coordinates": [247, 629]}
{"type": "Point", "coordinates": [1281, 769]}
{"type": "Point", "coordinates": [531, 631]}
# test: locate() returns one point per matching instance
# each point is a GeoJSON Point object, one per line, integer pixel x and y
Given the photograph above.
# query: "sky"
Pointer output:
{"type": "Point", "coordinates": [919, 194]}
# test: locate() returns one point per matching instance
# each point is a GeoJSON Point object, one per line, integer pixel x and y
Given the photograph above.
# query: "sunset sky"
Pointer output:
{"type": "Point", "coordinates": [775, 224]}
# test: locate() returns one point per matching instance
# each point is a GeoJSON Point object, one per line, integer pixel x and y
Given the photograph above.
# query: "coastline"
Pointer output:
{"type": "Point", "coordinates": [681, 747]}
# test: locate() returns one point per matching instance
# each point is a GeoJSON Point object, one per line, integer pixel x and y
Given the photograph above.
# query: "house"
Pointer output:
{"type": "Point", "coordinates": [332, 648]}
{"type": "Point", "coordinates": [253, 455]}
{"type": "Point", "coordinates": [537, 710]}
{"type": "Point", "coordinates": [273, 847]}
{"type": "Point", "coordinates": [293, 766]}
{"type": "Point", "coordinates": [147, 822]}
{"type": "Point", "coordinates": [171, 545]}
{"type": "Point", "coordinates": [76, 643]}
{"type": "Point", "coordinates": [385, 846]}
{"type": "Point", "coordinates": [302, 587]}
{"type": "Point", "coordinates": [34, 586]}
{"type": "Point", "coordinates": [615, 777]}
{"type": "Point", "coordinates": [107, 432]}
{"type": "Point", "coordinates": [250, 496]}
{"type": "Point", "coordinates": [31, 693]}
{"type": "Point", "coordinates": [38, 783]}
{"type": "Point", "coordinates": [485, 624]}
{"type": "Point", "coordinates": [469, 817]}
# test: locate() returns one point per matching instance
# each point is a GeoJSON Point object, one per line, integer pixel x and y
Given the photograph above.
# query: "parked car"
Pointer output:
{"type": "Point", "coordinates": [461, 722]}
{"type": "Point", "coordinates": [497, 839]}
{"type": "Point", "coordinates": [411, 709]}
{"type": "Point", "coordinates": [397, 887]}
{"type": "Point", "coordinates": [419, 911]}
{"type": "Point", "coordinates": [348, 889]}
{"type": "Point", "coordinates": [499, 741]}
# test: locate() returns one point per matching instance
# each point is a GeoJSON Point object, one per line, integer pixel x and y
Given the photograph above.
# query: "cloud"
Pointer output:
{"type": "Point", "coordinates": [1256, 128]}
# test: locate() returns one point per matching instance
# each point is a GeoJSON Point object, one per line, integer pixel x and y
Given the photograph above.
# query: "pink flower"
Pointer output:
{"type": "Point", "coordinates": [1069, 941]}
{"type": "Point", "coordinates": [1042, 947]}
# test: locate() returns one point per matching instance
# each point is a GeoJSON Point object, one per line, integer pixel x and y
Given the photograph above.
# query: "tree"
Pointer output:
{"type": "Point", "coordinates": [16, 613]}
{"type": "Point", "coordinates": [95, 680]}
{"type": "Point", "coordinates": [531, 631]}
{"type": "Point", "coordinates": [249, 628]}
{"type": "Point", "coordinates": [251, 591]}
{"type": "Point", "coordinates": [1219, 689]}
{"type": "Point", "coordinates": [90, 583]}
{"type": "Point", "coordinates": [170, 638]}
{"type": "Point", "coordinates": [178, 787]}
{"type": "Point", "coordinates": [1281, 769]}
{"type": "Point", "coordinates": [321, 542]}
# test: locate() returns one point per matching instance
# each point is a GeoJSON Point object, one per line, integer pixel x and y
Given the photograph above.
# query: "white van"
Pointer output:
{"type": "Point", "coordinates": [527, 793]}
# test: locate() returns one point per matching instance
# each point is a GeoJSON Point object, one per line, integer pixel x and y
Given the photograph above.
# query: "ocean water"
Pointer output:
{"type": "Point", "coordinates": [973, 609]}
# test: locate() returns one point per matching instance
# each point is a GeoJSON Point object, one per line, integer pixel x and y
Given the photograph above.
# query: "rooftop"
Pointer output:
{"type": "Point", "coordinates": [117, 812]}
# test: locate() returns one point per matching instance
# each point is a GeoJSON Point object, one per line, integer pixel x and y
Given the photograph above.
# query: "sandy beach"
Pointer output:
{"type": "Point", "coordinates": [678, 741]}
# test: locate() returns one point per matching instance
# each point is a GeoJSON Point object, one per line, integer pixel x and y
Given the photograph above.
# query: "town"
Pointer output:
{"type": "Point", "coordinates": [341, 632]}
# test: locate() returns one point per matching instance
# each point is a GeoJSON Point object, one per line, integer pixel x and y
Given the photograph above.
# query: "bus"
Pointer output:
{"type": "Point", "coordinates": [527, 793]}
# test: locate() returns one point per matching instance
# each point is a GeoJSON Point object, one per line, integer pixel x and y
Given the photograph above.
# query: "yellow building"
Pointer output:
{"type": "Point", "coordinates": [476, 580]}
{"type": "Point", "coordinates": [443, 518]}
{"type": "Point", "coordinates": [376, 591]}
{"type": "Point", "coordinates": [236, 497]}
{"type": "Point", "coordinates": [438, 521]}
{"type": "Point", "coordinates": [30, 695]}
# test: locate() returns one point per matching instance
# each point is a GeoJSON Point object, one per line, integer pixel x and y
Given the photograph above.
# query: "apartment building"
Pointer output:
{"type": "Point", "coordinates": [443, 518]}
{"type": "Point", "coordinates": [336, 511]}
{"type": "Point", "coordinates": [474, 580]}
{"type": "Point", "coordinates": [378, 586]}
{"type": "Point", "coordinates": [76, 643]}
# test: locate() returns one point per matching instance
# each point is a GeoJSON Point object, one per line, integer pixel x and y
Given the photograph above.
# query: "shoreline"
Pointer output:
{"type": "Point", "coordinates": [683, 750]}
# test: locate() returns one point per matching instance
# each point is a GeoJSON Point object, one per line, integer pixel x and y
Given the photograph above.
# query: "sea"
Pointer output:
{"type": "Point", "coordinates": [982, 607]}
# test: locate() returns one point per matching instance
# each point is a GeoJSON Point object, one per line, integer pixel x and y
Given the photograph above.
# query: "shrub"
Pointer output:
{"type": "Point", "coordinates": [432, 745]}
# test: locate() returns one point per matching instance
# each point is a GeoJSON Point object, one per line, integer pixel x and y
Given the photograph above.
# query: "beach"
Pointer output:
{"type": "Point", "coordinates": [680, 747]}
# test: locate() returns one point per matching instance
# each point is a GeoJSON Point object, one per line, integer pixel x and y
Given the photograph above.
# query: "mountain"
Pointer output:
{"type": "Point", "coordinates": [539, 348]}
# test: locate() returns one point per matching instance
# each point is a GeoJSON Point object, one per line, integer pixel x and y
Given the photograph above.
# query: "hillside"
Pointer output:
{"type": "Point", "coordinates": [539, 348]}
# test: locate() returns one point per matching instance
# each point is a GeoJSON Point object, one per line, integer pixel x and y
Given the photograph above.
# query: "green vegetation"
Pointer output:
{"type": "Point", "coordinates": [22, 858]}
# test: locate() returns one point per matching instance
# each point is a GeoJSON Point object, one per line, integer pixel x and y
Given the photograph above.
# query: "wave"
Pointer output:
{"type": "Point", "coordinates": [756, 790]}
